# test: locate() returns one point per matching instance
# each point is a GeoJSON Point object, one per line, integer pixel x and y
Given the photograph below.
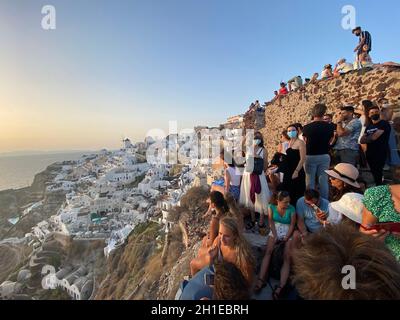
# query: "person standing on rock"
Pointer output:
{"type": "Point", "coordinates": [318, 135]}
{"type": "Point", "coordinates": [254, 190]}
{"type": "Point", "coordinates": [364, 39]}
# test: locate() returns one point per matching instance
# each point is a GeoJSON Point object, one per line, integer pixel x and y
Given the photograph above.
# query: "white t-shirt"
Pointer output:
{"type": "Point", "coordinates": [235, 176]}
{"type": "Point", "coordinates": [362, 119]}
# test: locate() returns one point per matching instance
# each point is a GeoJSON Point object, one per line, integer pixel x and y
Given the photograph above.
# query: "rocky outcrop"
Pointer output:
{"type": "Point", "coordinates": [12, 203]}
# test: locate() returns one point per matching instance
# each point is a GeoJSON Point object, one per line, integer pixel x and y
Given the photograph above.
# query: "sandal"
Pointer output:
{"type": "Point", "coordinates": [275, 294]}
{"type": "Point", "coordinates": [259, 286]}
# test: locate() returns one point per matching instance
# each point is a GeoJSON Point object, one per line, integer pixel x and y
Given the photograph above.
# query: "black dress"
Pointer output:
{"type": "Point", "coordinates": [295, 187]}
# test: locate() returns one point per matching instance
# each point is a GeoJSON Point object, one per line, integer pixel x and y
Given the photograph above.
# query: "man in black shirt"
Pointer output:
{"type": "Point", "coordinates": [377, 139]}
{"type": "Point", "coordinates": [318, 135]}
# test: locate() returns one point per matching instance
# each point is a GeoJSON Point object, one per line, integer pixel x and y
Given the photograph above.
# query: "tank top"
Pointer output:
{"type": "Point", "coordinates": [287, 217]}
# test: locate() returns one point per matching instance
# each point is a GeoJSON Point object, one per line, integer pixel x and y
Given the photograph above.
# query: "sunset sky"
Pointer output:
{"type": "Point", "coordinates": [119, 68]}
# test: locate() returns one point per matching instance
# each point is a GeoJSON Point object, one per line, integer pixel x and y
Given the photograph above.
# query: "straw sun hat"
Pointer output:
{"type": "Point", "coordinates": [345, 172]}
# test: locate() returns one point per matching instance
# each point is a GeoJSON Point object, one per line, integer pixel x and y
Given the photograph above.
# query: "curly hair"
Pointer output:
{"type": "Point", "coordinates": [318, 266]}
{"type": "Point", "coordinates": [229, 284]}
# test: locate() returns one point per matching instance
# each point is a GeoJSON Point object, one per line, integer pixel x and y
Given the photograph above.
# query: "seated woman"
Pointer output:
{"type": "Point", "coordinates": [347, 210]}
{"type": "Point", "coordinates": [218, 208]}
{"type": "Point", "coordinates": [343, 179]}
{"type": "Point", "coordinates": [229, 246]}
{"type": "Point", "coordinates": [327, 72]}
{"type": "Point", "coordinates": [342, 67]}
{"type": "Point", "coordinates": [282, 220]}
{"type": "Point", "coordinates": [232, 177]}
{"type": "Point", "coordinates": [382, 204]}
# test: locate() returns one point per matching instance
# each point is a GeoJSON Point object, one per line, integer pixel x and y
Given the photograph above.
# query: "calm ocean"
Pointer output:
{"type": "Point", "coordinates": [19, 171]}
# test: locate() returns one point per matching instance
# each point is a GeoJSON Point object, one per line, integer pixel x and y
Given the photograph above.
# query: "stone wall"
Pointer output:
{"type": "Point", "coordinates": [353, 87]}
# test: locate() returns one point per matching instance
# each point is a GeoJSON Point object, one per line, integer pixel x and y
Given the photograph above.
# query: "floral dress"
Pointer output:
{"type": "Point", "coordinates": [378, 200]}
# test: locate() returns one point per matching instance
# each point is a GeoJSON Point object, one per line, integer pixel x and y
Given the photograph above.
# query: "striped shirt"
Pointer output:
{"type": "Point", "coordinates": [368, 40]}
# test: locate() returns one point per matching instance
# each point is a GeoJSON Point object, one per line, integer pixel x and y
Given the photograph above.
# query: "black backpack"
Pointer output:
{"type": "Point", "coordinates": [258, 165]}
{"type": "Point", "coordinates": [276, 262]}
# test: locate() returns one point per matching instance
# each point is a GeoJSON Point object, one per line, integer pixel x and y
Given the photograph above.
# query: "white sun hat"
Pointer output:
{"type": "Point", "coordinates": [350, 205]}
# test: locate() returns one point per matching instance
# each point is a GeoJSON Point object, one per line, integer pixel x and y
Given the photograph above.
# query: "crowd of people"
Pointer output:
{"type": "Point", "coordinates": [314, 208]}
{"type": "Point", "coordinates": [362, 60]}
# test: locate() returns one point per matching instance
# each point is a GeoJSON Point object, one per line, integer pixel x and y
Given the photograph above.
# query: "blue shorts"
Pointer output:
{"type": "Point", "coordinates": [234, 190]}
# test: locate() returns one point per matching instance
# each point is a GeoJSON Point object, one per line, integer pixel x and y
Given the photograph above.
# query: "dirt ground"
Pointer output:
{"type": "Point", "coordinates": [11, 257]}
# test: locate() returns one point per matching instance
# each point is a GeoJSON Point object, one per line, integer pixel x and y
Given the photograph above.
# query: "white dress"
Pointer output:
{"type": "Point", "coordinates": [262, 199]}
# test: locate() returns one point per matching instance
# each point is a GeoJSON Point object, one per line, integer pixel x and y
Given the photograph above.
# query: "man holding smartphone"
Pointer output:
{"type": "Point", "coordinates": [312, 212]}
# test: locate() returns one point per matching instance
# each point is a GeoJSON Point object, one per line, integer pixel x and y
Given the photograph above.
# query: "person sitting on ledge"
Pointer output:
{"type": "Point", "coordinates": [282, 221]}
{"type": "Point", "coordinates": [230, 246]}
{"type": "Point", "coordinates": [327, 72]}
{"type": "Point", "coordinates": [342, 67]}
{"type": "Point", "coordinates": [222, 281]}
{"type": "Point", "coordinates": [295, 83]}
{"type": "Point", "coordinates": [229, 283]}
{"type": "Point", "coordinates": [314, 78]}
{"type": "Point", "coordinates": [283, 90]}
{"type": "Point", "coordinates": [218, 208]}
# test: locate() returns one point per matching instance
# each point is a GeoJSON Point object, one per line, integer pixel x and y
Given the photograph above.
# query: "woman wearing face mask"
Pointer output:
{"type": "Point", "coordinates": [254, 190]}
{"type": "Point", "coordinates": [292, 166]}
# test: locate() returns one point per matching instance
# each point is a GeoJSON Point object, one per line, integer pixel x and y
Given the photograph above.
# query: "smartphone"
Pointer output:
{"type": "Point", "coordinates": [387, 226]}
{"type": "Point", "coordinates": [209, 279]}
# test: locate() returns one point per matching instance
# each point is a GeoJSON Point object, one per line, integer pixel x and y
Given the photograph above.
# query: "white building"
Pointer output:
{"type": "Point", "coordinates": [78, 283]}
{"type": "Point", "coordinates": [41, 230]}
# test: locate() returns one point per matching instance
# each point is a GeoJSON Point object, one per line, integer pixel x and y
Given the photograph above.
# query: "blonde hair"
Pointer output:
{"type": "Point", "coordinates": [244, 255]}
{"type": "Point", "coordinates": [234, 210]}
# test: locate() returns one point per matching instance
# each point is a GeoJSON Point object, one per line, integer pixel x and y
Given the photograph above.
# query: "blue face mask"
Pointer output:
{"type": "Point", "coordinates": [292, 134]}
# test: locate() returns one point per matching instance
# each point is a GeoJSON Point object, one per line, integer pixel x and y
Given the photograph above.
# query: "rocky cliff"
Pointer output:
{"type": "Point", "coordinates": [13, 202]}
{"type": "Point", "coordinates": [353, 87]}
{"type": "Point", "coordinates": [152, 264]}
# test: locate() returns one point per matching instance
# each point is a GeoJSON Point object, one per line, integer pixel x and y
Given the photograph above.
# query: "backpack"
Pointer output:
{"type": "Point", "coordinates": [275, 265]}
{"type": "Point", "coordinates": [258, 165]}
